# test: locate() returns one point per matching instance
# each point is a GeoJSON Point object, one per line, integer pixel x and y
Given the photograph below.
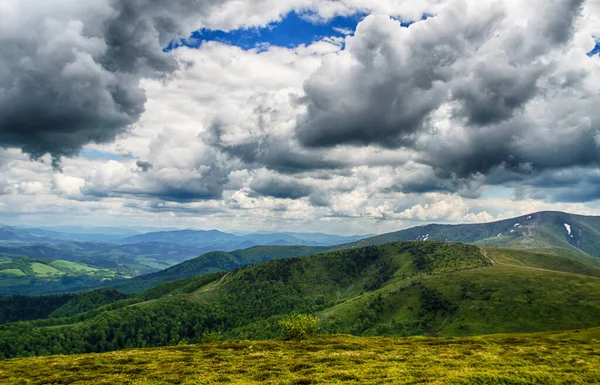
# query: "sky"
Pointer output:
{"type": "Point", "coordinates": [347, 117]}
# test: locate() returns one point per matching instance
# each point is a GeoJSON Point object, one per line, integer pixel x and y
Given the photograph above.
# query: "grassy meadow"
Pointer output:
{"type": "Point", "coordinates": [545, 358]}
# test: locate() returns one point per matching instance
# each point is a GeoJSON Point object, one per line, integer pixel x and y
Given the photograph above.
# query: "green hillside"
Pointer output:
{"type": "Point", "coordinates": [36, 275]}
{"type": "Point", "coordinates": [22, 308]}
{"type": "Point", "coordinates": [560, 234]}
{"type": "Point", "coordinates": [543, 233]}
{"type": "Point", "coordinates": [574, 236]}
{"type": "Point", "coordinates": [545, 358]}
{"type": "Point", "coordinates": [215, 261]}
{"type": "Point", "coordinates": [397, 289]}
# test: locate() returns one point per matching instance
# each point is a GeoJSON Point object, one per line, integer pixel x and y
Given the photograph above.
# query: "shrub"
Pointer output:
{"type": "Point", "coordinates": [299, 326]}
{"type": "Point", "coordinates": [211, 337]}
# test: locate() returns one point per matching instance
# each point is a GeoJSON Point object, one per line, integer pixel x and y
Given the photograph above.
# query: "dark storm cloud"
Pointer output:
{"type": "Point", "coordinates": [577, 184]}
{"type": "Point", "coordinates": [66, 84]}
{"type": "Point", "coordinates": [390, 82]}
{"type": "Point", "coordinates": [278, 155]}
{"type": "Point", "coordinates": [395, 77]}
{"type": "Point", "coordinates": [279, 187]}
{"type": "Point", "coordinates": [144, 165]}
{"type": "Point", "coordinates": [495, 91]}
{"type": "Point", "coordinates": [503, 80]}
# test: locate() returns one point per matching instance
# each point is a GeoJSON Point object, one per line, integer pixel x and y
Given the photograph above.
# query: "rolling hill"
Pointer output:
{"type": "Point", "coordinates": [574, 236]}
{"type": "Point", "coordinates": [215, 261]}
{"type": "Point", "coordinates": [44, 268]}
{"type": "Point", "coordinates": [120, 257]}
{"type": "Point", "coordinates": [36, 276]}
{"type": "Point", "coordinates": [396, 289]}
{"type": "Point", "coordinates": [543, 232]}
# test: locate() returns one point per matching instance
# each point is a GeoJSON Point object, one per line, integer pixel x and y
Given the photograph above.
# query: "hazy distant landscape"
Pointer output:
{"type": "Point", "coordinates": [42, 261]}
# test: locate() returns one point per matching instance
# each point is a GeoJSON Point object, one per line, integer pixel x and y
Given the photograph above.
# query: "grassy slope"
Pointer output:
{"type": "Point", "coordinates": [543, 231]}
{"type": "Point", "coordinates": [34, 276]}
{"type": "Point", "coordinates": [550, 261]}
{"type": "Point", "coordinates": [551, 358]}
{"type": "Point", "coordinates": [521, 292]}
{"type": "Point", "coordinates": [455, 292]}
{"type": "Point", "coordinates": [396, 289]}
{"type": "Point", "coordinates": [215, 261]}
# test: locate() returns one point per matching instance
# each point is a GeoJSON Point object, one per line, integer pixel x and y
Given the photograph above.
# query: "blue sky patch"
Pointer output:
{"type": "Point", "coordinates": [292, 31]}
{"type": "Point", "coordinates": [95, 154]}
{"type": "Point", "coordinates": [492, 192]}
{"type": "Point", "coordinates": [596, 50]}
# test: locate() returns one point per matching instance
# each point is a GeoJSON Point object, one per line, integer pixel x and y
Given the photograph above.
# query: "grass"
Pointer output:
{"type": "Point", "coordinates": [12, 272]}
{"type": "Point", "coordinates": [547, 358]}
{"type": "Point", "coordinates": [72, 266]}
{"type": "Point", "coordinates": [43, 270]}
{"type": "Point", "coordinates": [552, 260]}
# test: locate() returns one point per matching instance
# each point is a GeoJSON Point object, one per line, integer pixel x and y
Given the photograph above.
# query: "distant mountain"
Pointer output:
{"type": "Point", "coordinates": [575, 236]}
{"type": "Point", "coordinates": [184, 237]}
{"type": "Point", "coordinates": [228, 241]}
{"type": "Point", "coordinates": [130, 256]}
{"type": "Point", "coordinates": [544, 232]}
{"type": "Point", "coordinates": [13, 234]}
{"type": "Point", "coordinates": [306, 239]}
{"type": "Point", "coordinates": [561, 234]}
{"type": "Point", "coordinates": [75, 237]}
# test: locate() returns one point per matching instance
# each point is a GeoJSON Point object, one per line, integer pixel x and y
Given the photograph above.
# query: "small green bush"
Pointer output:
{"type": "Point", "coordinates": [211, 337]}
{"type": "Point", "coordinates": [299, 326]}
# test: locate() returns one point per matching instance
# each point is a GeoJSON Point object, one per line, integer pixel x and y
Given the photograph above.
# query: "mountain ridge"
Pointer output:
{"type": "Point", "coordinates": [395, 289]}
{"type": "Point", "coordinates": [520, 238]}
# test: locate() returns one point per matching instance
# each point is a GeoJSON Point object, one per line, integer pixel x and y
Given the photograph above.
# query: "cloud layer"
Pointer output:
{"type": "Point", "coordinates": [389, 125]}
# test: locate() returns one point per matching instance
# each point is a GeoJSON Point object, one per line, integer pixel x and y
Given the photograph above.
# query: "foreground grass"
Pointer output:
{"type": "Point", "coordinates": [547, 358]}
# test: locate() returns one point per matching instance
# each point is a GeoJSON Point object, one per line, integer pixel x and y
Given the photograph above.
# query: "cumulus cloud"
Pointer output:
{"type": "Point", "coordinates": [70, 71]}
{"type": "Point", "coordinates": [389, 78]}
{"type": "Point", "coordinates": [481, 89]}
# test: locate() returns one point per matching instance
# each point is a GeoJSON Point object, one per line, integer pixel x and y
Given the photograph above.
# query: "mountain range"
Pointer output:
{"type": "Point", "coordinates": [555, 233]}
{"type": "Point", "coordinates": [43, 261]}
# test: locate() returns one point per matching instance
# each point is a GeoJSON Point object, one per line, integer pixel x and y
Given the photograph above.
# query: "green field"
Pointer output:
{"type": "Point", "coordinates": [551, 358]}
{"type": "Point", "coordinates": [72, 266]}
{"type": "Point", "coordinates": [44, 270]}
{"type": "Point", "coordinates": [37, 275]}
{"type": "Point", "coordinates": [12, 272]}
